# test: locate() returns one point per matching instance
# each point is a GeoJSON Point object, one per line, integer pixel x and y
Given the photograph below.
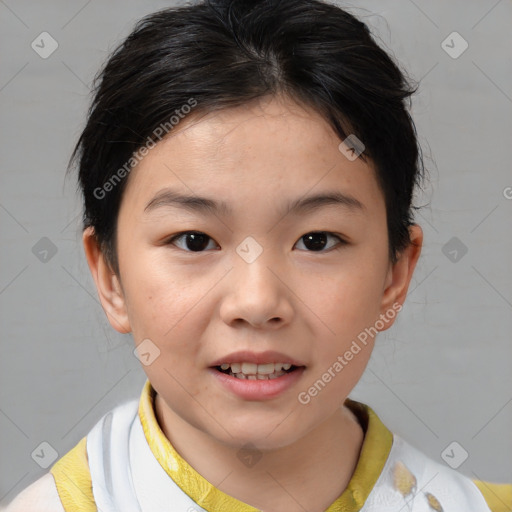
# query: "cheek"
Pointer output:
{"type": "Point", "coordinates": [346, 302]}
{"type": "Point", "coordinates": [160, 305]}
{"type": "Point", "coordinates": [149, 286]}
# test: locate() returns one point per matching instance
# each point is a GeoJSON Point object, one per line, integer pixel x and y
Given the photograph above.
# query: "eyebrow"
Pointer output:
{"type": "Point", "coordinates": [196, 204]}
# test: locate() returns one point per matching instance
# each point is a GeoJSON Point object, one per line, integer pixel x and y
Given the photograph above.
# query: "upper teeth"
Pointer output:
{"type": "Point", "coordinates": [255, 369]}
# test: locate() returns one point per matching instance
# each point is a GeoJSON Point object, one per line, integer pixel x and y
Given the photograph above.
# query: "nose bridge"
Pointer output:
{"type": "Point", "coordinates": [255, 293]}
{"type": "Point", "coordinates": [252, 264]}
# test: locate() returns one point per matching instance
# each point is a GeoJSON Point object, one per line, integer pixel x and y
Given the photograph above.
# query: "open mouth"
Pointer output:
{"type": "Point", "coordinates": [252, 371]}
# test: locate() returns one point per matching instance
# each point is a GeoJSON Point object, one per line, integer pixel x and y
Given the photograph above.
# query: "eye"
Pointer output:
{"type": "Point", "coordinates": [194, 241]}
{"type": "Point", "coordinates": [316, 241]}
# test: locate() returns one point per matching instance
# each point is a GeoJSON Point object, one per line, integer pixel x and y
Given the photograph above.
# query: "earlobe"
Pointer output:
{"type": "Point", "coordinates": [400, 274]}
{"type": "Point", "coordinates": [107, 284]}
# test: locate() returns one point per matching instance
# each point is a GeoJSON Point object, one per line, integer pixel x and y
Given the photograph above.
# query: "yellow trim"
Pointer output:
{"type": "Point", "coordinates": [187, 478]}
{"type": "Point", "coordinates": [73, 480]}
{"type": "Point", "coordinates": [497, 496]}
{"type": "Point", "coordinates": [374, 453]}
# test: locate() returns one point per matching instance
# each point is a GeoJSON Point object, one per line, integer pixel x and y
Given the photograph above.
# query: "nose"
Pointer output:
{"type": "Point", "coordinates": [257, 295]}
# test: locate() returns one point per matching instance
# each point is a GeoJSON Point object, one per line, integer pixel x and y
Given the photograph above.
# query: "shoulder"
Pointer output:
{"type": "Point", "coordinates": [498, 496]}
{"type": "Point", "coordinates": [40, 496]}
{"type": "Point", "coordinates": [68, 484]}
{"type": "Point", "coordinates": [410, 477]}
{"type": "Point", "coordinates": [438, 481]}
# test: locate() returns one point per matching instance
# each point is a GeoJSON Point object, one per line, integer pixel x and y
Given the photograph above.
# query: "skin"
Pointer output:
{"type": "Point", "coordinates": [310, 304]}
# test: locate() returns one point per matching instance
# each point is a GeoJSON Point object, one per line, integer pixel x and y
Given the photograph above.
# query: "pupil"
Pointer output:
{"type": "Point", "coordinates": [313, 242]}
{"type": "Point", "coordinates": [196, 241]}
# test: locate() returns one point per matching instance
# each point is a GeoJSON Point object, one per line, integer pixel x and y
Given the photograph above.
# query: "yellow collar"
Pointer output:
{"type": "Point", "coordinates": [374, 452]}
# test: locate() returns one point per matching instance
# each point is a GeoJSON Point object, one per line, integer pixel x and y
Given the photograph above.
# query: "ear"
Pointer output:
{"type": "Point", "coordinates": [107, 283]}
{"type": "Point", "coordinates": [400, 274]}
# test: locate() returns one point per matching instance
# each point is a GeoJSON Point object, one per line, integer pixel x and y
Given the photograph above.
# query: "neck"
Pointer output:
{"type": "Point", "coordinates": [307, 475]}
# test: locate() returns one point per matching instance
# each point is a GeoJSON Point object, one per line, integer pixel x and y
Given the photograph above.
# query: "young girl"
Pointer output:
{"type": "Point", "coordinates": [247, 171]}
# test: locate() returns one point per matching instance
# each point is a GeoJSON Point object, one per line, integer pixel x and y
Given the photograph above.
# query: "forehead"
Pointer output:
{"type": "Point", "coordinates": [266, 149]}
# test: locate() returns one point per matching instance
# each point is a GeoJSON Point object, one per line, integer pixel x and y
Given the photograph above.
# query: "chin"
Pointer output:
{"type": "Point", "coordinates": [257, 435]}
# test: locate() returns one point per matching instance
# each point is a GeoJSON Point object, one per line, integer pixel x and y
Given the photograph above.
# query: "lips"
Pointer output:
{"type": "Point", "coordinates": [259, 387]}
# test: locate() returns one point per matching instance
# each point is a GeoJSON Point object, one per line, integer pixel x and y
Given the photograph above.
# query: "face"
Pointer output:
{"type": "Point", "coordinates": [283, 260]}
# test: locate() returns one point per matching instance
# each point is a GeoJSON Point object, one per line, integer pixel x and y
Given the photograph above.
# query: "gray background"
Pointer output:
{"type": "Point", "coordinates": [441, 374]}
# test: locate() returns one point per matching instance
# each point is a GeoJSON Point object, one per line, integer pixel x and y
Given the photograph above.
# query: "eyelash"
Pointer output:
{"type": "Point", "coordinates": [341, 241]}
